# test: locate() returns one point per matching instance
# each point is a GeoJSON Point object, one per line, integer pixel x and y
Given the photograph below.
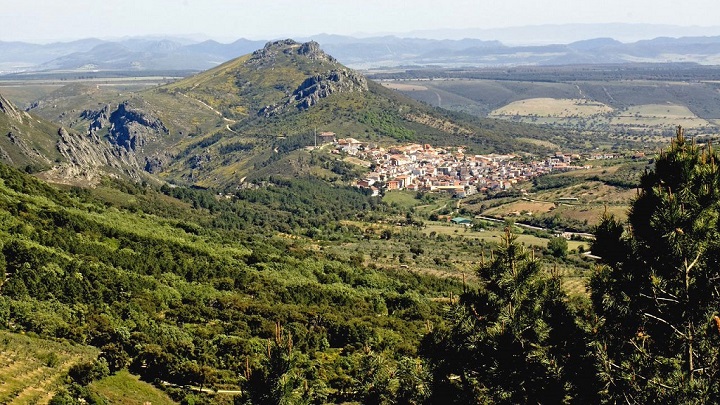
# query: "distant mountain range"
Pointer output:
{"type": "Point", "coordinates": [163, 54]}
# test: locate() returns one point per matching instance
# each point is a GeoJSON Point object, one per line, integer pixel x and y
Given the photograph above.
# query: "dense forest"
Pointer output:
{"type": "Point", "coordinates": [189, 289]}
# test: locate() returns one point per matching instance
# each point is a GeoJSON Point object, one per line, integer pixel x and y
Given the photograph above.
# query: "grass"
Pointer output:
{"type": "Point", "coordinates": [402, 199]}
{"type": "Point", "coordinates": [124, 388]}
{"type": "Point", "coordinates": [551, 107]}
{"type": "Point", "coordinates": [659, 115]}
{"type": "Point", "coordinates": [31, 369]}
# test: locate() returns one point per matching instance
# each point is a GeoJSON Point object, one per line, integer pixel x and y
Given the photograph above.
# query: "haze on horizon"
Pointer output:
{"type": "Point", "coordinates": [44, 21]}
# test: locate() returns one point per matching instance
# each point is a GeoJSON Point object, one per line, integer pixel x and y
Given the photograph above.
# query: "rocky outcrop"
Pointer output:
{"type": "Point", "coordinates": [4, 156]}
{"type": "Point", "coordinates": [132, 128]}
{"type": "Point", "coordinates": [321, 86]}
{"type": "Point", "coordinates": [88, 157]}
{"type": "Point", "coordinates": [317, 87]}
{"type": "Point", "coordinates": [156, 163]}
{"type": "Point", "coordinates": [7, 108]}
{"type": "Point", "coordinates": [312, 51]}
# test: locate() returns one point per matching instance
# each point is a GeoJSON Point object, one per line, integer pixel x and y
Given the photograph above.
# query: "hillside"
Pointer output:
{"type": "Point", "coordinates": [251, 117]}
{"type": "Point", "coordinates": [192, 295]}
{"type": "Point", "coordinates": [26, 142]}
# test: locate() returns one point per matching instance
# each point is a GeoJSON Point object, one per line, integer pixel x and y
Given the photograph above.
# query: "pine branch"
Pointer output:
{"type": "Point", "coordinates": [666, 323]}
{"type": "Point", "coordinates": [660, 298]}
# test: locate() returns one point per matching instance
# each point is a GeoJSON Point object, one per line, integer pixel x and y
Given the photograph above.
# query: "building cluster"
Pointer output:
{"type": "Point", "coordinates": [426, 168]}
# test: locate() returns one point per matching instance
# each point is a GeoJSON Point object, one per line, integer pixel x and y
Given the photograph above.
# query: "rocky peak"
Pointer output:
{"type": "Point", "coordinates": [310, 50]}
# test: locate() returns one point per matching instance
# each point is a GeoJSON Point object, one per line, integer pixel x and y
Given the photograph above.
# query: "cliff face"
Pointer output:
{"type": "Point", "coordinates": [129, 127]}
{"type": "Point", "coordinates": [321, 86]}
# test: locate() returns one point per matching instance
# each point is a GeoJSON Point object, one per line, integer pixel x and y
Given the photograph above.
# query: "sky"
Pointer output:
{"type": "Point", "coordinates": [45, 21]}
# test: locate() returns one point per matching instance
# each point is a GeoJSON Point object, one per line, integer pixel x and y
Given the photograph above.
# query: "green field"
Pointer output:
{"type": "Point", "coordinates": [124, 388]}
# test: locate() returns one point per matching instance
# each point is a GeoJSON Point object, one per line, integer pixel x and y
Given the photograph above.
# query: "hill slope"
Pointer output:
{"type": "Point", "coordinates": [252, 116]}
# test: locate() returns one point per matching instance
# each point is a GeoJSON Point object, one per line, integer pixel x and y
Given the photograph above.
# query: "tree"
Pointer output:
{"type": "Point", "coordinates": [657, 294]}
{"type": "Point", "coordinates": [513, 340]}
{"type": "Point", "coordinates": [277, 381]}
{"type": "Point", "coordinates": [558, 246]}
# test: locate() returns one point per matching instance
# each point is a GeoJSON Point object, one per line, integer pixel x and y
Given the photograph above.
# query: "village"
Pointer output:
{"type": "Point", "coordinates": [418, 167]}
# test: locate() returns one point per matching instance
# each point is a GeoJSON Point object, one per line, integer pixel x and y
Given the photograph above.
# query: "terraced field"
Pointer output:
{"type": "Point", "coordinates": [31, 369]}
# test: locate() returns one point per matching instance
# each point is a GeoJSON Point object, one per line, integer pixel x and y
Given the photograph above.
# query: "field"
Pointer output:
{"type": "Point", "coordinates": [659, 115]}
{"type": "Point", "coordinates": [31, 369]}
{"type": "Point", "coordinates": [550, 107]}
{"type": "Point", "coordinates": [124, 388]}
{"type": "Point", "coordinates": [23, 93]}
{"type": "Point", "coordinates": [635, 109]}
{"type": "Point", "coordinates": [405, 86]}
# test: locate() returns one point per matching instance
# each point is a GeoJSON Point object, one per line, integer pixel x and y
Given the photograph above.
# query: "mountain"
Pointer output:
{"type": "Point", "coordinates": [567, 33]}
{"type": "Point", "coordinates": [253, 116]}
{"type": "Point", "coordinates": [21, 55]}
{"type": "Point", "coordinates": [164, 54]}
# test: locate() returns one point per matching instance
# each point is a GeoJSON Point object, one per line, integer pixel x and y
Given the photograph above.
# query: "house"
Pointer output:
{"type": "Point", "coordinates": [326, 137]}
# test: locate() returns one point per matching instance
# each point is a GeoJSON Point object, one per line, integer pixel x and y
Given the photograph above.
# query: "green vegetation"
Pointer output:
{"type": "Point", "coordinates": [658, 339]}
{"type": "Point", "coordinates": [124, 388]}
{"type": "Point", "coordinates": [243, 120]}
{"type": "Point", "coordinates": [513, 340]}
{"type": "Point", "coordinates": [292, 287]}
{"type": "Point", "coordinates": [194, 301]}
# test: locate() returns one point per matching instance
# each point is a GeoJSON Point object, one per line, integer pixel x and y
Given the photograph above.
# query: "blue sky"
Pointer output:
{"type": "Point", "coordinates": [48, 20]}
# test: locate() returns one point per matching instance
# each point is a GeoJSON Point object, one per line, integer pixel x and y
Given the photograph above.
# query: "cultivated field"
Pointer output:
{"type": "Point", "coordinates": [31, 369]}
{"type": "Point", "coordinates": [404, 86]}
{"type": "Point", "coordinates": [553, 108]}
{"type": "Point", "coordinates": [659, 116]}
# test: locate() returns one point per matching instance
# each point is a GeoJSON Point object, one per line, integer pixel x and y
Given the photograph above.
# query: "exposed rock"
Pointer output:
{"type": "Point", "coordinates": [321, 86]}
{"type": "Point", "coordinates": [98, 119]}
{"type": "Point", "coordinates": [7, 108]}
{"type": "Point", "coordinates": [310, 50]}
{"type": "Point", "coordinates": [313, 52]}
{"type": "Point", "coordinates": [198, 161]}
{"type": "Point", "coordinates": [156, 163]}
{"type": "Point", "coordinates": [318, 87]}
{"type": "Point", "coordinates": [130, 128]}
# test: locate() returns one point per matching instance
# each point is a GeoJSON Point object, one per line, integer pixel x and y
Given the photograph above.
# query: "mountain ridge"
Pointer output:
{"type": "Point", "coordinates": [370, 52]}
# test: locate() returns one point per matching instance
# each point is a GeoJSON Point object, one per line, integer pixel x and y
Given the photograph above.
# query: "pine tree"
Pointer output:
{"type": "Point", "coordinates": [657, 295]}
{"type": "Point", "coordinates": [277, 381]}
{"type": "Point", "coordinates": [514, 340]}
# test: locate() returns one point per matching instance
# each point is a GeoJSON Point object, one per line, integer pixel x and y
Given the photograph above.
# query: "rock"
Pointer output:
{"type": "Point", "coordinates": [9, 109]}
{"type": "Point", "coordinates": [130, 128]}
{"type": "Point", "coordinates": [317, 87]}
{"type": "Point", "coordinates": [155, 164]}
